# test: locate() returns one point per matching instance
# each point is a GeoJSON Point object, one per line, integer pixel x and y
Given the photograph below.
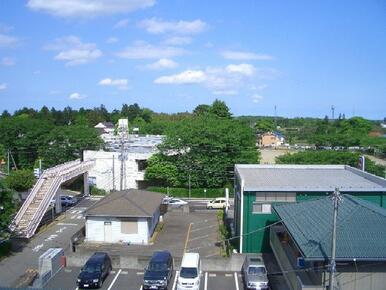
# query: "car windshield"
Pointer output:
{"type": "Point", "coordinates": [91, 268]}
{"type": "Point", "coordinates": [188, 272]}
{"type": "Point", "coordinates": [255, 270]}
{"type": "Point", "coordinates": [158, 267]}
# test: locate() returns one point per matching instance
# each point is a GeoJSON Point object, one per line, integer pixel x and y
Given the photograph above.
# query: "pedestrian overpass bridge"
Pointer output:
{"type": "Point", "coordinates": [45, 189]}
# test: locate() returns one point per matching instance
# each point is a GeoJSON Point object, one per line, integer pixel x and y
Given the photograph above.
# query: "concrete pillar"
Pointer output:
{"type": "Point", "coordinates": [58, 203]}
{"type": "Point", "coordinates": [86, 187]}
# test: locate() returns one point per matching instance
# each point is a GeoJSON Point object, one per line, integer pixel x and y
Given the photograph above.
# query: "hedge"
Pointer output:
{"type": "Point", "coordinates": [5, 248]}
{"type": "Point", "coordinates": [195, 192]}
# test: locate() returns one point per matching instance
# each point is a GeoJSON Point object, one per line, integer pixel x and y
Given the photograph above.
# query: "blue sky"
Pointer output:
{"type": "Point", "coordinates": [169, 56]}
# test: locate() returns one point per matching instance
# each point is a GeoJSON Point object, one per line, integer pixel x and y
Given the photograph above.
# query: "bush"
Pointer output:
{"type": "Point", "coordinates": [97, 191]}
{"type": "Point", "coordinates": [5, 248]}
{"type": "Point", "coordinates": [20, 180]}
{"type": "Point", "coordinates": [195, 192]}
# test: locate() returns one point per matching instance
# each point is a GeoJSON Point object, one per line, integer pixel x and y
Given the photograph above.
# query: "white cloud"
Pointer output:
{"type": "Point", "coordinates": [121, 24]}
{"type": "Point", "coordinates": [185, 77]}
{"type": "Point", "coordinates": [112, 40]}
{"type": "Point", "coordinates": [163, 63]}
{"type": "Point", "coordinates": [76, 96]}
{"type": "Point", "coordinates": [256, 98]}
{"type": "Point", "coordinates": [5, 28]}
{"type": "Point", "coordinates": [73, 51]}
{"type": "Point", "coordinates": [141, 50]}
{"type": "Point", "coordinates": [7, 61]}
{"type": "Point", "coordinates": [7, 41]}
{"type": "Point", "coordinates": [3, 86]}
{"type": "Point", "coordinates": [244, 69]}
{"type": "Point", "coordinates": [225, 92]}
{"type": "Point", "coordinates": [178, 40]}
{"type": "Point", "coordinates": [158, 26]}
{"type": "Point", "coordinates": [121, 84]}
{"type": "Point", "coordinates": [87, 8]}
{"type": "Point", "coordinates": [243, 55]}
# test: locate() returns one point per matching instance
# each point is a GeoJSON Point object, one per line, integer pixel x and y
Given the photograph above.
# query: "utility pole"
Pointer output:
{"type": "Point", "coordinates": [333, 112]}
{"type": "Point", "coordinates": [190, 187]}
{"type": "Point", "coordinates": [123, 156]}
{"type": "Point", "coordinates": [113, 172]}
{"type": "Point", "coordinates": [336, 198]}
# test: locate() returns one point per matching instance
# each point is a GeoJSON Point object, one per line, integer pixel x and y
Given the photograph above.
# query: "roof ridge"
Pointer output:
{"type": "Point", "coordinates": [108, 198]}
{"type": "Point", "coordinates": [128, 197]}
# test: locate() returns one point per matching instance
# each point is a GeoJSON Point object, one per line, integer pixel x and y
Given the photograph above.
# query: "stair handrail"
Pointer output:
{"type": "Point", "coordinates": [29, 199]}
{"type": "Point", "coordinates": [42, 208]}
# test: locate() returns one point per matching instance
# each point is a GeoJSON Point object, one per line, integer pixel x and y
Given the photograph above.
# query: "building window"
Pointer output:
{"type": "Point", "coordinates": [142, 164]}
{"type": "Point", "coordinates": [275, 197]}
{"type": "Point", "coordinates": [129, 227]}
{"type": "Point", "coordinates": [261, 208]}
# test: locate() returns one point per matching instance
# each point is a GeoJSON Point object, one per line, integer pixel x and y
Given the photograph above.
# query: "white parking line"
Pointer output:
{"type": "Point", "coordinates": [236, 281]}
{"type": "Point", "coordinates": [124, 272]}
{"type": "Point", "coordinates": [115, 279]}
{"type": "Point", "coordinates": [175, 280]}
{"type": "Point", "coordinates": [198, 238]}
{"type": "Point", "coordinates": [65, 224]}
{"type": "Point", "coordinates": [228, 275]}
{"type": "Point", "coordinates": [140, 273]}
{"type": "Point", "coordinates": [140, 288]}
{"type": "Point", "coordinates": [212, 275]}
{"type": "Point", "coordinates": [206, 281]}
{"type": "Point", "coordinates": [204, 228]}
{"type": "Point", "coordinates": [77, 288]}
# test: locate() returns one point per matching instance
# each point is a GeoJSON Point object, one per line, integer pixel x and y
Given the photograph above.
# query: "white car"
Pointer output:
{"type": "Point", "coordinates": [217, 203]}
{"type": "Point", "coordinates": [176, 202]}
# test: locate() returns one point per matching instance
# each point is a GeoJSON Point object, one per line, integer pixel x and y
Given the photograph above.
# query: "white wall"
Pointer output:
{"type": "Point", "coordinates": [103, 169]}
{"type": "Point", "coordinates": [95, 231]}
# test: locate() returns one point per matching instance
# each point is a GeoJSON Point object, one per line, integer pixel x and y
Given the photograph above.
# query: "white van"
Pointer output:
{"type": "Point", "coordinates": [190, 272]}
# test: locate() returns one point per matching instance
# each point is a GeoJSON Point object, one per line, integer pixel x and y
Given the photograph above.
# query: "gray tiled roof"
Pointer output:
{"type": "Point", "coordinates": [361, 228]}
{"type": "Point", "coordinates": [311, 178]}
{"type": "Point", "coordinates": [127, 203]}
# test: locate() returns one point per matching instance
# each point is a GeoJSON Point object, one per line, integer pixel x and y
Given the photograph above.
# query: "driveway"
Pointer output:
{"type": "Point", "coordinates": [57, 234]}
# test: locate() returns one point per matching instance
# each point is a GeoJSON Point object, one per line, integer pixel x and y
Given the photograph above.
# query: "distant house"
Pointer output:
{"type": "Point", "coordinates": [302, 242]}
{"type": "Point", "coordinates": [104, 127]}
{"type": "Point", "coordinates": [259, 187]}
{"type": "Point", "coordinates": [128, 216]}
{"type": "Point", "coordinates": [271, 139]}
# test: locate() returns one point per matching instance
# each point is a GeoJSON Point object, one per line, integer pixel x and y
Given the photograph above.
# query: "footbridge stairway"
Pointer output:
{"type": "Point", "coordinates": [38, 201]}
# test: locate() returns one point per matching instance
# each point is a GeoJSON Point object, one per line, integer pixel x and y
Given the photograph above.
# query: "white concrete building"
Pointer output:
{"type": "Point", "coordinates": [106, 173]}
{"type": "Point", "coordinates": [128, 216]}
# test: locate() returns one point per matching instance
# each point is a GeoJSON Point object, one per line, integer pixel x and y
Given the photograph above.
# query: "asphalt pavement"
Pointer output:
{"type": "Point", "coordinates": [57, 234]}
{"type": "Point", "coordinates": [132, 280]}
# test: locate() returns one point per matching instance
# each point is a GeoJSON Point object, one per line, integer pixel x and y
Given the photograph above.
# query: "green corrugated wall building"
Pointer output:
{"type": "Point", "coordinates": [257, 187]}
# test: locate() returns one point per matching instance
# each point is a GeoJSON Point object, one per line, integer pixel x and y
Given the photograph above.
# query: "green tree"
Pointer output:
{"type": "Point", "coordinates": [220, 109]}
{"type": "Point", "coordinates": [161, 172]}
{"type": "Point", "coordinates": [330, 157]}
{"type": "Point", "coordinates": [7, 208]}
{"type": "Point", "coordinates": [202, 109]}
{"type": "Point", "coordinates": [20, 180]}
{"type": "Point", "coordinates": [265, 125]}
{"type": "Point", "coordinates": [65, 143]}
{"type": "Point", "coordinates": [206, 147]}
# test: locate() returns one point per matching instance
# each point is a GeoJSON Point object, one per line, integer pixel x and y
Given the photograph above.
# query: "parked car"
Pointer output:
{"type": "Point", "coordinates": [95, 271]}
{"type": "Point", "coordinates": [159, 271]}
{"type": "Point", "coordinates": [254, 273]}
{"type": "Point", "coordinates": [68, 200]}
{"type": "Point", "coordinates": [190, 272]}
{"type": "Point", "coordinates": [218, 203]}
{"type": "Point", "coordinates": [65, 200]}
{"type": "Point", "coordinates": [176, 202]}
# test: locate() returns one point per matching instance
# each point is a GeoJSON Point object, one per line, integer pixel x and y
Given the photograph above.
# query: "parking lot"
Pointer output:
{"type": "Point", "coordinates": [132, 280]}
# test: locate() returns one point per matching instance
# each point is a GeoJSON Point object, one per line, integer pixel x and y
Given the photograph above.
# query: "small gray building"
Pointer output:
{"type": "Point", "coordinates": [128, 216]}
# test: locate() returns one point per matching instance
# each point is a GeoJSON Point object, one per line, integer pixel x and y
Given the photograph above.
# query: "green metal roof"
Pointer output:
{"type": "Point", "coordinates": [361, 228]}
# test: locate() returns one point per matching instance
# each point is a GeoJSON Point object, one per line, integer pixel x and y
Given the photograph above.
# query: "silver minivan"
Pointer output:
{"type": "Point", "coordinates": [254, 273]}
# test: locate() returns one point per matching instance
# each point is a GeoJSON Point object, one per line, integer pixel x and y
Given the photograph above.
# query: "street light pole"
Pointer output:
{"type": "Point", "coordinates": [190, 187]}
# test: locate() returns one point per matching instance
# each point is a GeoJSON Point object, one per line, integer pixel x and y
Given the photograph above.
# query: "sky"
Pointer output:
{"type": "Point", "coordinates": [169, 56]}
